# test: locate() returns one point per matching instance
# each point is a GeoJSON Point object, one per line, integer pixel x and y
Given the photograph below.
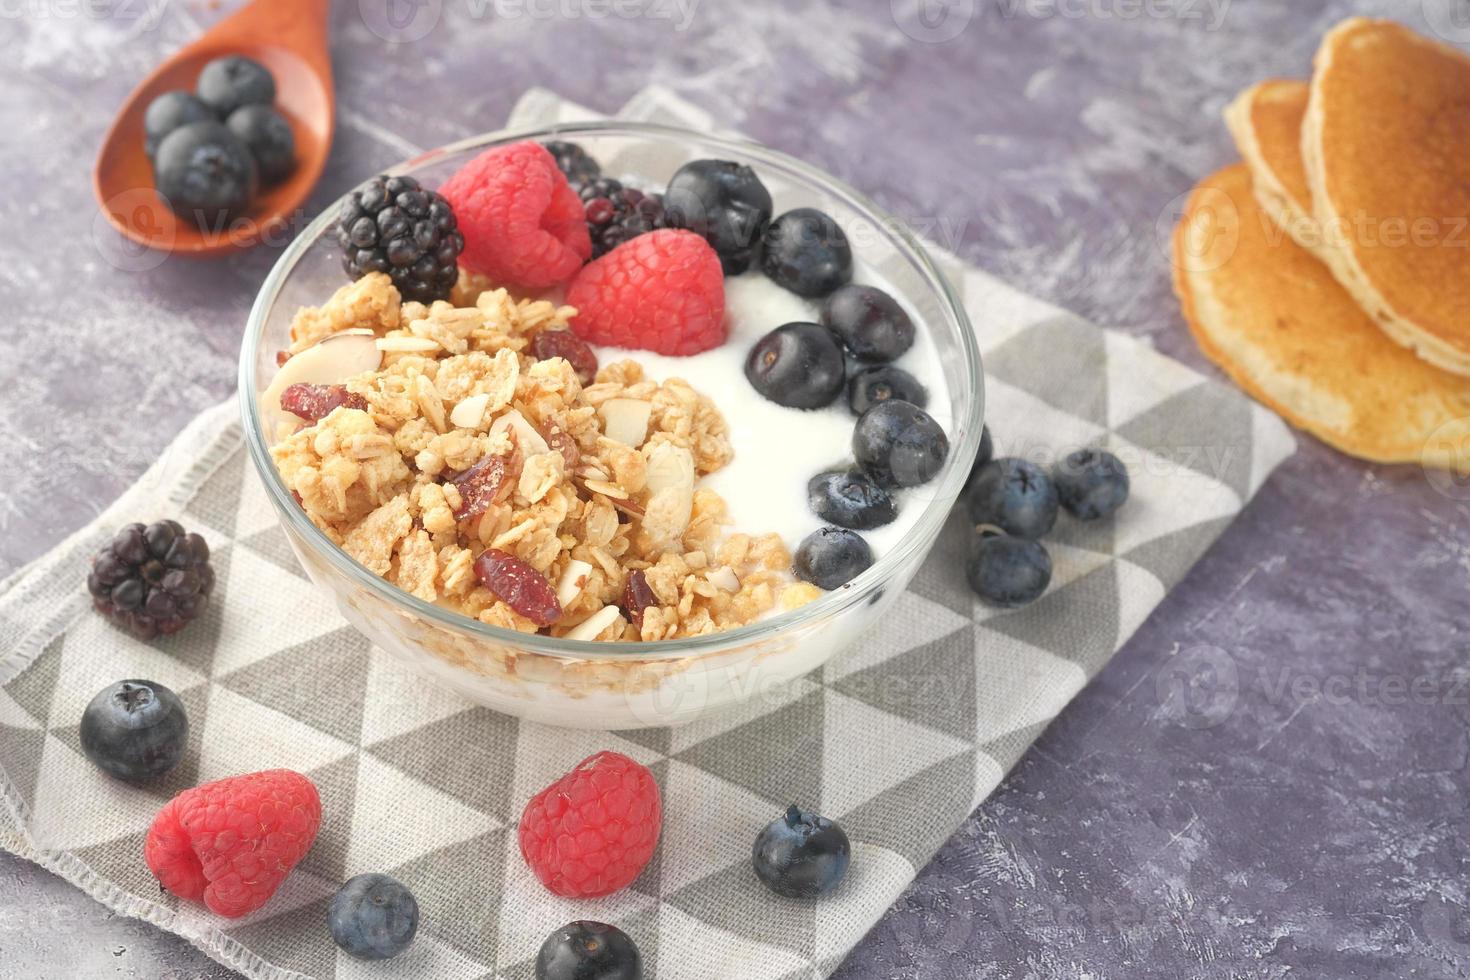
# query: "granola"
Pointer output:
{"type": "Point", "coordinates": [470, 451]}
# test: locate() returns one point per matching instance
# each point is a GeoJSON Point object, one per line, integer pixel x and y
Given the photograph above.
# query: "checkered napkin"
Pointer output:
{"type": "Point", "coordinates": [898, 739]}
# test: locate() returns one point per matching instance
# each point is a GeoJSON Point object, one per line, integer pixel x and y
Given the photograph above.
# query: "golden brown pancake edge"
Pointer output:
{"type": "Point", "coordinates": [1274, 319]}
{"type": "Point", "coordinates": [1406, 290]}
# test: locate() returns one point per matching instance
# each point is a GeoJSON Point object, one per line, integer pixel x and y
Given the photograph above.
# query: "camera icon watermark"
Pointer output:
{"type": "Point", "coordinates": [932, 21]}
{"type": "Point", "coordinates": [1210, 235]}
{"type": "Point", "coordinates": [1446, 459]}
{"type": "Point", "coordinates": [1198, 687]}
{"type": "Point", "coordinates": [137, 209]}
{"type": "Point", "coordinates": [401, 21]}
{"type": "Point", "coordinates": [1446, 924]}
{"type": "Point", "coordinates": [1450, 19]}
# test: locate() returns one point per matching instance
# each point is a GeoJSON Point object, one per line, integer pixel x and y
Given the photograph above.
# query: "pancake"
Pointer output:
{"type": "Point", "coordinates": [1275, 320]}
{"type": "Point", "coordinates": [1266, 122]}
{"type": "Point", "coordinates": [1386, 145]}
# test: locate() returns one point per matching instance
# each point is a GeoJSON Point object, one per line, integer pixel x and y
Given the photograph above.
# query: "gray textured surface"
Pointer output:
{"type": "Point", "coordinates": [1293, 812]}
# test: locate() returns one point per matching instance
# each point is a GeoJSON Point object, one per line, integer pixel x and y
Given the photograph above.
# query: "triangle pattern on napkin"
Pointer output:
{"type": "Point", "coordinates": [899, 737]}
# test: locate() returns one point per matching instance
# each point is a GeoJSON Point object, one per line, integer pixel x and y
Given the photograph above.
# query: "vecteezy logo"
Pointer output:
{"type": "Point", "coordinates": [1450, 19]}
{"type": "Point", "coordinates": [1211, 236]}
{"type": "Point", "coordinates": [1198, 687]}
{"type": "Point", "coordinates": [1446, 924]}
{"type": "Point", "coordinates": [137, 210]}
{"type": "Point", "coordinates": [932, 21]}
{"type": "Point", "coordinates": [1446, 459]}
{"type": "Point", "coordinates": [400, 21]}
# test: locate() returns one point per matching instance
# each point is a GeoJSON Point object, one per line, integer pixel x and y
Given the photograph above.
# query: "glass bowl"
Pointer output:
{"type": "Point", "coordinates": [588, 684]}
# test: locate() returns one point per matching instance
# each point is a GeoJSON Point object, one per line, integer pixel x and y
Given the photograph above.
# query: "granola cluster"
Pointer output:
{"type": "Point", "coordinates": [474, 463]}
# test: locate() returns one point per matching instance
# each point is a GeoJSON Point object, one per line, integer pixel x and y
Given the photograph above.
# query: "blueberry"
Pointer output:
{"type": "Point", "coordinates": [798, 365]}
{"type": "Point", "coordinates": [135, 729]}
{"type": "Point", "coordinates": [899, 444]}
{"type": "Point", "coordinates": [227, 83]}
{"type": "Point", "coordinates": [1006, 571]}
{"type": "Point", "coordinates": [1015, 496]}
{"type": "Point", "coordinates": [869, 322]}
{"type": "Point", "coordinates": [1091, 483]}
{"type": "Point", "coordinates": [806, 253]}
{"type": "Point", "coordinates": [205, 173]}
{"type": "Point", "coordinates": [983, 455]}
{"type": "Point", "coordinates": [589, 951]}
{"type": "Point", "coordinates": [268, 135]}
{"type": "Point", "coordinates": [801, 855]}
{"type": "Point", "coordinates": [850, 498]}
{"type": "Point", "coordinates": [723, 201]}
{"type": "Point", "coordinates": [373, 917]}
{"type": "Point", "coordinates": [884, 383]}
{"type": "Point", "coordinates": [167, 113]}
{"type": "Point", "coordinates": [830, 557]}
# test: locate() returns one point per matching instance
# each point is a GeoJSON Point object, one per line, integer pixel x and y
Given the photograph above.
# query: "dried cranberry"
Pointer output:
{"type": "Point", "coordinates": [564, 343]}
{"type": "Point", "coordinates": [486, 483]}
{"type": "Point", "coordinates": [315, 402]}
{"type": "Point", "coordinates": [519, 586]}
{"type": "Point", "coordinates": [637, 596]}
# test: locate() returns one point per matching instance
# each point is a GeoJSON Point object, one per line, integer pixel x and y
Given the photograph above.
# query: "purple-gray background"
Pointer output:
{"type": "Point", "coordinates": [1269, 780]}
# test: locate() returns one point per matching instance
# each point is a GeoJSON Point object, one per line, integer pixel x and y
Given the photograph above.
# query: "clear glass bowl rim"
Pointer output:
{"type": "Point", "coordinates": [859, 590]}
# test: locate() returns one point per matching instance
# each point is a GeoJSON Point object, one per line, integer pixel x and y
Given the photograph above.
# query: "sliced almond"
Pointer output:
{"type": "Point", "coordinates": [724, 578]}
{"type": "Point", "coordinates": [523, 433]}
{"type": "Point", "coordinates": [470, 412]}
{"type": "Point", "coordinates": [626, 420]}
{"type": "Point", "coordinates": [407, 345]}
{"type": "Point", "coordinates": [331, 360]}
{"type": "Point", "coordinates": [666, 516]}
{"type": "Point", "coordinates": [592, 627]}
{"type": "Point", "coordinates": [669, 466]}
{"type": "Point", "coordinates": [607, 489]}
{"type": "Point", "coordinates": [573, 581]}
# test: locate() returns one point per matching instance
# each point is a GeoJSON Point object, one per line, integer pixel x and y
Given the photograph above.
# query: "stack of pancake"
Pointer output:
{"type": "Point", "coordinates": [1329, 273]}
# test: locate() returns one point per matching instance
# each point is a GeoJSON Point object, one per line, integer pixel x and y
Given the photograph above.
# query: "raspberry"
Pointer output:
{"type": "Point", "coordinates": [662, 291]}
{"type": "Point", "coordinates": [591, 832]}
{"type": "Point", "coordinates": [523, 224]}
{"type": "Point", "coordinates": [232, 842]}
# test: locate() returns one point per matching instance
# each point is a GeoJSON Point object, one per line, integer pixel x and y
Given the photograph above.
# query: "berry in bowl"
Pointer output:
{"type": "Point", "coordinates": [611, 425]}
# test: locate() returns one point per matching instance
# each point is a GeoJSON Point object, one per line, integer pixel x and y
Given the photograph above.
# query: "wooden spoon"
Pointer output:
{"type": "Point", "coordinates": [289, 37]}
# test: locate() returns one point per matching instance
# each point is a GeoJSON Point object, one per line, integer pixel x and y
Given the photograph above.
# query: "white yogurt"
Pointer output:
{"type": "Point", "coordinates": [778, 449]}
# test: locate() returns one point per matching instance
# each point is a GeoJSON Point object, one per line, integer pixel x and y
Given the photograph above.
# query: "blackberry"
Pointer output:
{"type": "Point", "coordinates": [152, 580]}
{"type": "Point", "coordinates": [616, 214]}
{"type": "Point", "coordinates": [575, 162]}
{"type": "Point", "coordinates": [393, 225]}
